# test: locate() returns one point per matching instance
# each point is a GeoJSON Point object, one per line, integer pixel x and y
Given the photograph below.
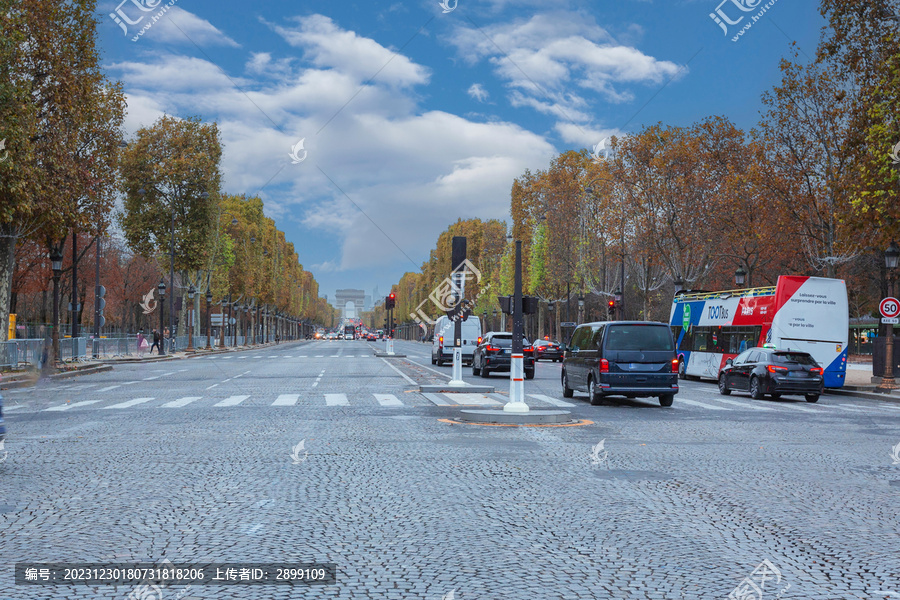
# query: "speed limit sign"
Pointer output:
{"type": "Point", "coordinates": [889, 308]}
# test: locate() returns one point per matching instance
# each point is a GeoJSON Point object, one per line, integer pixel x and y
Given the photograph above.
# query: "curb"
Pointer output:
{"type": "Point", "coordinates": [867, 393]}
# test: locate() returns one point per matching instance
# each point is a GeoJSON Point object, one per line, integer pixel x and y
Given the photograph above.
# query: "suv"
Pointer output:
{"type": "Point", "coordinates": [621, 358]}
{"type": "Point", "coordinates": [494, 353]}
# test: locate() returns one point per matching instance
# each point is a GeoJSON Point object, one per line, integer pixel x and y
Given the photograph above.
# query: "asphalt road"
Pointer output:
{"type": "Point", "coordinates": [199, 461]}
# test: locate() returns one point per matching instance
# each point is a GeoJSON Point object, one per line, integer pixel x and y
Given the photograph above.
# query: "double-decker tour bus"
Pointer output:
{"type": "Point", "coordinates": [809, 314]}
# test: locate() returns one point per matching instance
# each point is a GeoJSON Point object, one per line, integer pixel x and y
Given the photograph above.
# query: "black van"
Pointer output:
{"type": "Point", "coordinates": [621, 358]}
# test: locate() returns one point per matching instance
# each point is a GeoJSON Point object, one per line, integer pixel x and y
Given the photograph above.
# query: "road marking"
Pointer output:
{"type": "Point", "coordinates": [106, 389]}
{"type": "Point", "coordinates": [130, 403]}
{"type": "Point", "coordinates": [699, 404]}
{"type": "Point", "coordinates": [550, 400]}
{"type": "Point", "coordinates": [286, 400]}
{"type": "Point", "coordinates": [335, 356]}
{"type": "Point", "coordinates": [227, 357]}
{"type": "Point", "coordinates": [212, 386]}
{"type": "Point", "coordinates": [336, 400]}
{"type": "Point", "coordinates": [432, 370]}
{"type": "Point", "coordinates": [318, 356]}
{"type": "Point", "coordinates": [853, 410]}
{"type": "Point", "coordinates": [399, 372]}
{"type": "Point", "coordinates": [158, 376]}
{"type": "Point", "coordinates": [303, 356]}
{"type": "Point", "coordinates": [864, 407]}
{"type": "Point", "coordinates": [231, 401]}
{"type": "Point", "coordinates": [741, 404]}
{"type": "Point", "coordinates": [130, 382]}
{"type": "Point", "coordinates": [73, 405]}
{"type": "Point", "coordinates": [387, 400]}
{"type": "Point", "coordinates": [435, 399]}
{"type": "Point", "coordinates": [181, 402]}
{"type": "Point", "coordinates": [12, 408]}
{"type": "Point", "coordinates": [318, 379]}
{"type": "Point", "coordinates": [795, 407]}
{"type": "Point", "coordinates": [479, 399]}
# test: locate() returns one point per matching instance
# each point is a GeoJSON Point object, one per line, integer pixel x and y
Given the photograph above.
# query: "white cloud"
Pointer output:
{"type": "Point", "coordinates": [409, 173]}
{"type": "Point", "coordinates": [550, 62]}
{"type": "Point", "coordinates": [477, 91]}
{"type": "Point", "coordinates": [182, 27]}
{"type": "Point", "coordinates": [328, 46]}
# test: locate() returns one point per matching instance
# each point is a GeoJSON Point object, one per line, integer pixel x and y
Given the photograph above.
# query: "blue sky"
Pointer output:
{"type": "Point", "coordinates": [412, 117]}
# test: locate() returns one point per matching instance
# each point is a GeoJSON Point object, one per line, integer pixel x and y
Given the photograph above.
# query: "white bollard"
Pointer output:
{"type": "Point", "coordinates": [516, 385]}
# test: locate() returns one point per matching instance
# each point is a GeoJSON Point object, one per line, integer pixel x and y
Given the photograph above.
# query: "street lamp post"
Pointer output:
{"type": "Point", "coordinates": [190, 314]}
{"type": "Point", "coordinates": [891, 256]}
{"type": "Point", "coordinates": [517, 360]}
{"type": "Point", "coordinates": [679, 286]}
{"type": "Point", "coordinates": [56, 258]}
{"type": "Point", "coordinates": [493, 318]}
{"type": "Point", "coordinates": [208, 320]}
{"type": "Point", "coordinates": [620, 309]}
{"type": "Point", "coordinates": [740, 276]}
{"type": "Point", "coordinates": [580, 309]}
{"type": "Point", "coordinates": [162, 304]}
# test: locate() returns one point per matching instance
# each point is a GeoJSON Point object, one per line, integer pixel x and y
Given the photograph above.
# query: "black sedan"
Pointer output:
{"type": "Point", "coordinates": [545, 349]}
{"type": "Point", "coordinates": [762, 371]}
{"type": "Point", "coordinates": [494, 353]}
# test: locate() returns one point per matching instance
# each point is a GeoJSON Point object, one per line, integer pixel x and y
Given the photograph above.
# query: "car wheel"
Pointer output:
{"type": "Point", "coordinates": [529, 374]}
{"type": "Point", "coordinates": [593, 394]}
{"type": "Point", "coordinates": [567, 391]}
{"type": "Point", "coordinates": [812, 397]}
{"type": "Point", "coordinates": [433, 361]}
{"type": "Point", "coordinates": [682, 370]}
{"type": "Point", "coordinates": [666, 399]}
{"type": "Point", "coordinates": [484, 372]}
{"type": "Point", "coordinates": [475, 370]}
{"type": "Point", "coordinates": [755, 390]}
{"type": "Point", "coordinates": [723, 389]}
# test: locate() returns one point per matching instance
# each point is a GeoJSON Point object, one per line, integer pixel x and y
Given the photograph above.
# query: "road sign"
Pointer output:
{"type": "Point", "coordinates": [890, 320]}
{"type": "Point", "coordinates": [686, 317]}
{"type": "Point", "coordinates": [568, 324]}
{"type": "Point", "coordinates": [889, 307]}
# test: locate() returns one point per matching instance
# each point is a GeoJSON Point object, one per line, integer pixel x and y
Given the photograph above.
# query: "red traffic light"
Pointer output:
{"type": "Point", "coordinates": [611, 303]}
{"type": "Point", "coordinates": [392, 296]}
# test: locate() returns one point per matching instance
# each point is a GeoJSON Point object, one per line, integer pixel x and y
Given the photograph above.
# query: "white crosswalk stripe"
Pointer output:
{"type": "Point", "coordinates": [748, 405]}
{"type": "Point", "coordinates": [130, 403]}
{"type": "Point", "coordinates": [111, 387]}
{"type": "Point", "coordinates": [680, 400]}
{"type": "Point", "coordinates": [286, 400]}
{"type": "Point", "coordinates": [231, 401]}
{"type": "Point", "coordinates": [336, 400]}
{"type": "Point", "coordinates": [181, 402]}
{"type": "Point", "coordinates": [72, 405]}
{"type": "Point", "coordinates": [794, 406]}
{"type": "Point", "coordinates": [158, 376]}
{"type": "Point", "coordinates": [550, 400]}
{"type": "Point", "coordinates": [387, 400]}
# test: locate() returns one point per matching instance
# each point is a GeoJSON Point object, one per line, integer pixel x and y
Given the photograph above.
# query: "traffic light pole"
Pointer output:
{"type": "Point", "coordinates": [390, 342]}
{"type": "Point", "coordinates": [456, 378]}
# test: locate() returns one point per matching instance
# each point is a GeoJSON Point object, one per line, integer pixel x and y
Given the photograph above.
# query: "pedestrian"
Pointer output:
{"type": "Point", "coordinates": [157, 341]}
{"type": "Point", "coordinates": [142, 344]}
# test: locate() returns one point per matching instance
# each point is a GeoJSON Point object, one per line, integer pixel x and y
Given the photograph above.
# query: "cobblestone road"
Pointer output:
{"type": "Point", "coordinates": [190, 461]}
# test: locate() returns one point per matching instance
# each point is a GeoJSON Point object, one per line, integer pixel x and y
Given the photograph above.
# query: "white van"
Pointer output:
{"type": "Point", "coordinates": [442, 345]}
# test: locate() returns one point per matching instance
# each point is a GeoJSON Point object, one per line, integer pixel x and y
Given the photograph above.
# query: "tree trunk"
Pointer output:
{"type": "Point", "coordinates": [8, 237]}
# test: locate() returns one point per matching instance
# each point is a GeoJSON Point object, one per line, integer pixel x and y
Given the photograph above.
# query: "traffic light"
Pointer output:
{"type": "Point", "coordinates": [101, 304]}
{"type": "Point", "coordinates": [390, 301]}
{"type": "Point", "coordinates": [611, 309]}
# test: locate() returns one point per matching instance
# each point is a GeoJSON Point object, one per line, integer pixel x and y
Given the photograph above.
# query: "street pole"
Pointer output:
{"type": "Point", "coordinates": [172, 279]}
{"type": "Point", "coordinates": [517, 365]}
{"type": "Point", "coordinates": [97, 298]}
{"type": "Point", "coordinates": [74, 284]}
{"type": "Point", "coordinates": [162, 305]}
{"type": "Point", "coordinates": [459, 289]}
{"type": "Point", "coordinates": [208, 320]}
{"type": "Point", "coordinates": [888, 384]}
{"type": "Point", "coordinates": [56, 258]}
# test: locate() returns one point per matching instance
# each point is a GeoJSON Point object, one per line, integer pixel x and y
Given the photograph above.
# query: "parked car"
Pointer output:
{"type": "Point", "coordinates": [494, 353]}
{"type": "Point", "coordinates": [635, 359]}
{"type": "Point", "coordinates": [548, 350]}
{"type": "Point", "coordinates": [442, 344]}
{"type": "Point", "coordinates": [762, 371]}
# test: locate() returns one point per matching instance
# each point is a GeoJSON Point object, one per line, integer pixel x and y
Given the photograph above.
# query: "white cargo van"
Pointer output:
{"type": "Point", "coordinates": [442, 345]}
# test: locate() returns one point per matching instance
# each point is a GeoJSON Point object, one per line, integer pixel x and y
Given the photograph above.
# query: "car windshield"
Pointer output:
{"type": "Point", "coordinates": [801, 358]}
{"type": "Point", "coordinates": [639, 337]}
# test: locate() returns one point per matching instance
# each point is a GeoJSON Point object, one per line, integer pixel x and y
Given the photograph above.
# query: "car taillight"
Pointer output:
{"type": "Point", "coordinates": [816, 370]}
{"type": "Point", "coordinates": [479, 340]}
{"type": "Point", "coordinates": [528, 349]}
{"type": "Point", "coordinates": [490, 348]}
{"type": "Point", "coordinates": [674, 365]}
{"type": "Point", "coordinates": [441, 340]}
{"type": "Point", "coordinates": [774, 369]}
{"type": "Point", "coordinates": [604, 365]}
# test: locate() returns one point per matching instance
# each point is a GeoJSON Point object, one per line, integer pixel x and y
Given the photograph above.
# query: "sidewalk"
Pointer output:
{"type": "Point", "coordinates": [858, 382]}
{"type": "Point", "coordinates": [30, 376]}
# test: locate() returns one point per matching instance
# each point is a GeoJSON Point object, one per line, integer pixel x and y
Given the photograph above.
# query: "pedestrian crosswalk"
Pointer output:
{"type": "Point", "coordinates": [114, 398]}
{"type": "Point", "coordinates": [274, 356]}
